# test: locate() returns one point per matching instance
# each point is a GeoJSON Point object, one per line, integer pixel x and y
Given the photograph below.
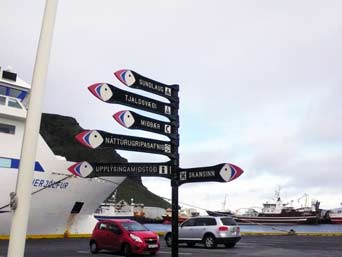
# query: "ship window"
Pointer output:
{"type": "Point", "coordinates": [8, 129]}
{"type": "Point", "coordinates": [14, 92]}
{"type": "Point", "coordinates": [2, 100]}
{"type": "Point", "coordinates": [5, 163]}
{"type": "Point", "coordinates": [2, 90]}
{"type": "Point", "coordinates": [14, 103]}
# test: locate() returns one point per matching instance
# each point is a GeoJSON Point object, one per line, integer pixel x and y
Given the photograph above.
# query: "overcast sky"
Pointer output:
{"type": "Point", "coordinates": [260, 84]}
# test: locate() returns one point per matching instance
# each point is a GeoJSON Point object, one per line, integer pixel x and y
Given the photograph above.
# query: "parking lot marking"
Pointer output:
{"type": "Point", "coordinates": [180, 253]}
{"type": "Point", "coordinates": [89, 253]}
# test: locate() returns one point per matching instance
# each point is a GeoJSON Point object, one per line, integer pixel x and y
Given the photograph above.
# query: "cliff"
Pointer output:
{"type": "Point", "coordinates": [59, 131]}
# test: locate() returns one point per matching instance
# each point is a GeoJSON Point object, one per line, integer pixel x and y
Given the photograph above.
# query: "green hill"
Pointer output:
{"type": "Point", "coordinates": [59, 131]}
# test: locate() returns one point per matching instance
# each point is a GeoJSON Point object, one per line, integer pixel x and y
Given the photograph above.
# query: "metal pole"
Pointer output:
{"type": "Point", "coordinates": [174, 197]}
{"type": "Point", "coordinates": [17, 241]}
{"type": "Point", "coordinates": [174, 221]}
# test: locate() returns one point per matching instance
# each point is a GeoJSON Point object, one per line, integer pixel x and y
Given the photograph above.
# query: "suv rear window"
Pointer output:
{"type": "Point", "coordinates": [228, 221]}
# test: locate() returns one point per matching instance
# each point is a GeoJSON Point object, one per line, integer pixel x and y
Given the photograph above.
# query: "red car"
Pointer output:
{"type": "Point", "coordinates": [127, 236]}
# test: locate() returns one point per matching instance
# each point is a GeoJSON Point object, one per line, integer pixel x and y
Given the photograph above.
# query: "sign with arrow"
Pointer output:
{"type": "Point", "coordinates": [92, 169]}
{"type": "Point", "coordinates": [134, 80]}
{"type": "Point", "coordinates": [110, 94]}
{"type": "Point", "coordinates": [101, 139]}
{"type": "Point", "coordinates": [132, 120]}
{"type": "Point", "coordinates": [224, 172]}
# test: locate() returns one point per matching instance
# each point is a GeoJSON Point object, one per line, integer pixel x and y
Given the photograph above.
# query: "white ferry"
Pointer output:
{"type": "Point", "coordinates": [62, 204]}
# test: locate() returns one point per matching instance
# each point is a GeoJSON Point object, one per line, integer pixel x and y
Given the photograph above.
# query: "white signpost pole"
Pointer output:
{"type": "Point", "coordinates": [17, 241]}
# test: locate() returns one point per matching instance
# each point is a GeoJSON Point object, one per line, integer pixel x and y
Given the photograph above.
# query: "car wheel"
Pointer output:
{"type": "Point", "coordinates": [229, 245]}
{"type": "Point", "coordinates": [93, 247]}
{"type": "Point", "coordinates": [127, 250]}
{"type": "Point", "coordinates": [209, 241]}
{"type": "Point", "coordinates": [190, 244]}
{"type": "Point", "coordinates": [168, 240]}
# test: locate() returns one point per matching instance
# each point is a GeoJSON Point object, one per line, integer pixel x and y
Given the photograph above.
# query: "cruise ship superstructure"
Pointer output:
{"type": "Point", "coordinates": [62, 204]}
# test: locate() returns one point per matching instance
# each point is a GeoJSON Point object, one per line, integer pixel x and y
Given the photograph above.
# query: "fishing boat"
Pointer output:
{"type": "Point", "coordinates": [120, 210]}
{"type": "Point", "coordinates": [223, 212]}
{"type": "Point", "coordinates": [277, 212]}
{"type": "Point", "coordinates": [61, 203]}
{"type": "Point", "coordinates": [335, 215]}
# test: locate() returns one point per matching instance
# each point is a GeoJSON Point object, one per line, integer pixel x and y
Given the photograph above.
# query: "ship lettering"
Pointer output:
{"type": "Point", "coordinates": [150, 124]}
{"type": "Point", "coordinates": [141, 102]}
{"type": "Point", "coordinates": [151, 85]}
{"type": "Point", "coordinates": [201, 174]}
{"type": "Point", "coordinates": [49, 183]}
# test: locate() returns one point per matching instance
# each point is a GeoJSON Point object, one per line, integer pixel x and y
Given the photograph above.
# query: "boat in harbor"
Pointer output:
{"type": "Point", "coordinates": [223, 212]}
{"type": "Point", "coordinates": [112, 209]}
{"type": "Point", "coordinates": [335, 215]}
{"type": "Point", "coordinates": [119, 210]}
{"type": "Point", "coordinates": [277, 212]}
{"type": "Point", "coordinates": [61, 204]}
{"type": "Point", "coordinates": [183, 214]}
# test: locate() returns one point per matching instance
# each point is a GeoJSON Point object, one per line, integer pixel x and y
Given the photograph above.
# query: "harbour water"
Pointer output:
{"type": "Point", "coordinates": [321, 228]}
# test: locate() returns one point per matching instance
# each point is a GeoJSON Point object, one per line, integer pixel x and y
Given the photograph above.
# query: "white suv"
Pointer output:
{"type": "Point", "coordinates": [207, 230]}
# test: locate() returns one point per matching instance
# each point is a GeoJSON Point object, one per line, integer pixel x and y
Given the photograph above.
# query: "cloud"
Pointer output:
{"type": "Point", "coordinates": [260, 84]}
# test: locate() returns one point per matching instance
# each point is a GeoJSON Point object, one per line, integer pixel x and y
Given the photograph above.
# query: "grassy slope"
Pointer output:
{"type": "Point", "coordinates": [59, 132]}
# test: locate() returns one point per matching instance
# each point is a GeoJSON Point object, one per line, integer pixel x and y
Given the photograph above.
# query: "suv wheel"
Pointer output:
{"type": "Point", "coordinates": [168, 240]}
{"type": "Point", "coordinates": [127, 250]}
{"type": "Point", "coordinates": [209, 241]}
{"type": "Point", "coordinates": [93, 247]}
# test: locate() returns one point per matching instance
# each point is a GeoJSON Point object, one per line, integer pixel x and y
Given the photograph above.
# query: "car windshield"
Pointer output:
{"type": "Point", "coordinates": [133, 226]}
{"type": "Point", "coordinates": [228, 221]}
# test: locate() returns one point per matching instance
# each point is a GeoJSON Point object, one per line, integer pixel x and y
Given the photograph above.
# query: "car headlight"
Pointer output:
{"type": "Point", "coordinates": [136, 238]}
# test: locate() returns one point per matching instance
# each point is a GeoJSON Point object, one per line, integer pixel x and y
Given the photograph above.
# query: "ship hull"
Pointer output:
{"type": "Point", "coordinates": [277, 220]}
{"type": "Point", "coordinates": [336, 220]}
{"type": "Point", "coordinates": [57, 208]}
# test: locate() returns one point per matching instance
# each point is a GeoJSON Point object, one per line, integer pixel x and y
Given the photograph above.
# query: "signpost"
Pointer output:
{"type": "Point", "coordinates": [93, 169]}
{"type": "Point", "coordinates": [100, 139]}
{"type": "Point", "coordinates": [111, 94]}
{"type": "Point", "coordinates": [132, 120]}
{"type": "Point", "coordinates": [224, 172]}
{"type": "Point", "coordinates": [134, 80]}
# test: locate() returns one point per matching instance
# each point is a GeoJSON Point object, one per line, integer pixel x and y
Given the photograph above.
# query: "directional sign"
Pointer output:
{"type": "Point", "coordinates": [100, 139]}
{"type": "Point", "coordinates": [224, 172]}
{"type": "Point", "coordinates": [132, 79]}
{"type": "Point", "coordinates": [110, 94]}
{"type": "Point", "coordinates": [132, 120]}
{"type": "Point", "coordinates": [92, 169]}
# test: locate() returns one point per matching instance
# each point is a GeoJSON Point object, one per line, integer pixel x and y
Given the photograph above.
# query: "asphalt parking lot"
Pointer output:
{"type": "Point", "coordinates": [249, 246]}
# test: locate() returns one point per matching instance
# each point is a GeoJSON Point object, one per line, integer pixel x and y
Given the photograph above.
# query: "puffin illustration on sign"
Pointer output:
{"type": "Point", "coordinates": [81, 169]}
{"type": "Point", "coordinates": [124, 118]}
{"type": "Point", "coordinates": [90, 138]}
